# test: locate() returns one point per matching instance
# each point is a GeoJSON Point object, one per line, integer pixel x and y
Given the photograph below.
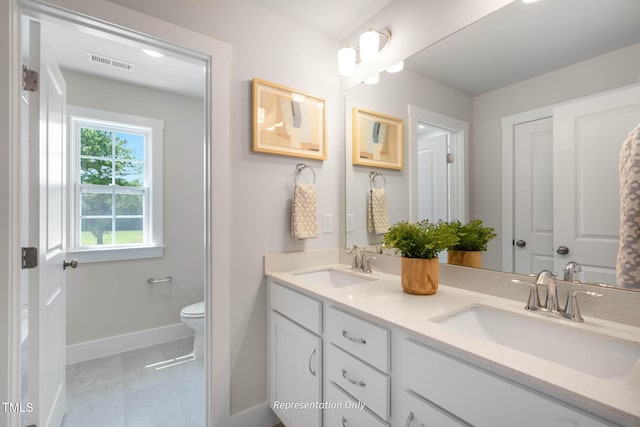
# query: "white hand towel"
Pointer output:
{"type": "Point", "coordinates": [304, 218]}
{"type": "Point", "coordinates": [377, 212]}
{"type": "Point", "coordinates": [628, 263]}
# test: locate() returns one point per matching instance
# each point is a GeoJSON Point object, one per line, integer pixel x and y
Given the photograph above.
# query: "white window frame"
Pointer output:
{"type": "Point", "coordinates": [154, 247]}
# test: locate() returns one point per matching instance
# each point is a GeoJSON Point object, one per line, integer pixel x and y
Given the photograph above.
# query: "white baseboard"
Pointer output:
{"type": "Point", "coordinates": [119, 343]}
{"type": "Point", "coordinates": [257, 416]}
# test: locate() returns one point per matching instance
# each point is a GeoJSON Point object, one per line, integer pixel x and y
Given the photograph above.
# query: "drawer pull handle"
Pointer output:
{"type": "Point", "coordinates": [409, 420]}
{"type": "Point", "coordinates": [344, 422]}
{"type": "Point", "coordinates": [309, 364]}
{"type": "Point", "coordinates": [356, 340]}
{"type": "Point", "coordinates": [354, 382]}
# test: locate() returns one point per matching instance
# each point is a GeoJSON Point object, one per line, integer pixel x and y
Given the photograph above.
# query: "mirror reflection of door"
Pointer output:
{"type": "Point", "coordinates": [533, 196]}
{"type": "Point", "coordinates": [556, 160]}
{"type": "Point", "coordinates": [435, 151]}
{"type": "Point", "coordinates": [588, 135]}
{"type": "Point", "coordinates": [433, 173]}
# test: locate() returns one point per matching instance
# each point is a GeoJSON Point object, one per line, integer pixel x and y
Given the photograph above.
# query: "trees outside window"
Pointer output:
{"type": "Point", "coordinates": [112, 189]}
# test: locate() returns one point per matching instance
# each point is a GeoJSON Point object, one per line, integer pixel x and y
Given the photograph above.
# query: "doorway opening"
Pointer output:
{"type": "Point", "coordinates": [116, 338]}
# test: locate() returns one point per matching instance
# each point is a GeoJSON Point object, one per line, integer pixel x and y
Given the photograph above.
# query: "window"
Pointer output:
{"type": "Point", "coordinates": [116, 185]}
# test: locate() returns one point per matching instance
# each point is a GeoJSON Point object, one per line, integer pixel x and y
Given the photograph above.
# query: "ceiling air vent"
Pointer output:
{"type": "Point", "coordinates": [105, 60]}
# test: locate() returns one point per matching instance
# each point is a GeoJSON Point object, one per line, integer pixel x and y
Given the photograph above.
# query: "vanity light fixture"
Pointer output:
{"type": "Point", "coordinates": [369, 49]}
{"type": "Point", "coordinates": [153, 53]}
{"type": "Point", "coordinates": [347, 60]}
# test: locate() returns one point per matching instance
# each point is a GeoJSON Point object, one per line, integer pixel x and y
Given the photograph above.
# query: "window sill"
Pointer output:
{"type": "Point", "coordinates": [116, 254]}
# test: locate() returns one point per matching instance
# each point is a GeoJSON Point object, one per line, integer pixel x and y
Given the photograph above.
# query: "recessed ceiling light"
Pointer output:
{"type": "Point", "coordinates": [529, 1]}
{"type": "Point", "coordinates": [153, 53]}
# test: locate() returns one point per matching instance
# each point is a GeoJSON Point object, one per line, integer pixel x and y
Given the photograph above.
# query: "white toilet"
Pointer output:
{"type": "Point", "coordinates": [193, 316]}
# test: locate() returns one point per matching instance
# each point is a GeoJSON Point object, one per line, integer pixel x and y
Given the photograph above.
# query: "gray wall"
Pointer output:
{"type": "Point", "coordinates": [113, 298]}
{"type": "Point", "coordinates": [612, 70]}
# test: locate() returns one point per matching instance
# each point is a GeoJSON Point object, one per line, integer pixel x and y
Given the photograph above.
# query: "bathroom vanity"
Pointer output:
{"type": "Point", "coordinates": [351, 349]}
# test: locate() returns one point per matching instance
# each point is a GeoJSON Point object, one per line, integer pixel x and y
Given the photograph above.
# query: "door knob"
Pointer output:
{"type": "Point", "coordinates": [521, 243]}
{"type": "Point", "coordinates": [73, 264]}
{"type": "Point", "coordinates": [562, 250]}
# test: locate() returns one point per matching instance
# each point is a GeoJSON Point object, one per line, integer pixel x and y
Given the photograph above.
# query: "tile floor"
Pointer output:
{"type": "Point", "coordinates": [153, 386]}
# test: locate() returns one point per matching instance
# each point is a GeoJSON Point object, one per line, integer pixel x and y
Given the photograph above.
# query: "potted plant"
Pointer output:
{"type": "Point", "coordinates": [419, 244]}
{"type": "Point", "coordinates": [473, 238]}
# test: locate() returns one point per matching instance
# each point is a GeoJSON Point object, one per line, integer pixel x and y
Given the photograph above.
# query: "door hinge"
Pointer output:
{"type": "Point", "coordinates": [29, 258]}
{"type": "Point", "coordinates": [449, 157]}
{"type": "Point", "coordinates": [29, 79]}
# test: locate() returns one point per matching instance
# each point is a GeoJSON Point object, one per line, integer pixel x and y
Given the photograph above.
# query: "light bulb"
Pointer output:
{"type": "Point", "coordinates": [369, 45]}
{"type": "Point", "coordinates": [346, 61]}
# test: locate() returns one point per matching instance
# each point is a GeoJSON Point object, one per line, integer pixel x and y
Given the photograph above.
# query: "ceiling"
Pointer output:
{"type": "Point", "coordinates": [173, 73]}
{"type": "Point", "coordinates": [521, 41]}
{"type": "Point", "coordinates": [336, 18]}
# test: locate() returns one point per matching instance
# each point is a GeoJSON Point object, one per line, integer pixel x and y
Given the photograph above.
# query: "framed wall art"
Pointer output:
{"type": "Point", "coordinates": [286, 121]}
{"type": "Point", "coordinates": [377, 139]}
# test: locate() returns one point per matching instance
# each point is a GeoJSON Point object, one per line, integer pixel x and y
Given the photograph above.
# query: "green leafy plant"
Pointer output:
{"type": "Point", "coordinates": [423, 239]}
{"type": "Point", "coordinates": [472, 236]}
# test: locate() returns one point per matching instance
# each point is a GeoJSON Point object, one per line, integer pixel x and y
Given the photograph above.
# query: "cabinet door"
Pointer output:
{"type": "Point", "coordinates": [295, 373]}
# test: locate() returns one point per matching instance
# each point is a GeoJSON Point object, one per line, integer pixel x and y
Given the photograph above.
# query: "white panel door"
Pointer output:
{"type": "Point", "coordinates": [433, 182]}
{"type": "Point", "coordinates": [47, 294]}
{"type": "Point", "coordinates": [533, 196]}
{"type": "Point", "coordinates": [588, 135]}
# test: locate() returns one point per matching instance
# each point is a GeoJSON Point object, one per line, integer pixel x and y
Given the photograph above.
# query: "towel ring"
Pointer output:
{"type": "Point", "coordinates": [301, 166]}
{"type": "Point", "coordinates": [373, 175]}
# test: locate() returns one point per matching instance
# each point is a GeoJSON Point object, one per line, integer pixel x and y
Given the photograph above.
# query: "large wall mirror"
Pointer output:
{"type": "Point", "coordinates": [486, 111]}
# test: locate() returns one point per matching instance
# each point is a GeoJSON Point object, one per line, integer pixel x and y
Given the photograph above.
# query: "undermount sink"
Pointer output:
{"type": "Point", "coordinates": [335, 278]}
{"type": "Point", "coordinates": [593, 353]}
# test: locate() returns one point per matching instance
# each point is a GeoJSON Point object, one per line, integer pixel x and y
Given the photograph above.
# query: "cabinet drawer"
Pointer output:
{"type": "Point", "coordinates": [345, 411]}
{"type": "Point", "coordinates": [480, 398]}
{"type": "Point", "coordinates": [300, 308]}
{"type": "Point", "coordinates": [365, 340]}
{"type": "Point", "coordinates": [360, 380]}
{"type": "Point", "coordinates": [420, 412]}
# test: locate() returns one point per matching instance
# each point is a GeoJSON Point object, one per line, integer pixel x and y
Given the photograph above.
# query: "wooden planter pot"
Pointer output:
{"type": "Point", "coordinates": [465, 258]}
{"type": "Point", "coordinates": [419, 276]}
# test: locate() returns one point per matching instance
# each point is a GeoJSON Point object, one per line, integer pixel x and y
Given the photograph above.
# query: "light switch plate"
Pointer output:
{"type": "Point", "coordinates": [350, 222]}
{"type": "Point", "coordinates": [327, 225]}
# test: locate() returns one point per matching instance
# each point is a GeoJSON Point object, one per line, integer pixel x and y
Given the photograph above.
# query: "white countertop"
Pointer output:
{"type": "Point", "coordinates": [383, 300]}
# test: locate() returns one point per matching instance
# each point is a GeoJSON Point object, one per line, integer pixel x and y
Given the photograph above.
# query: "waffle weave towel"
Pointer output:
{"type": "Point", "coordinates": [304, 218]}
{"type": "Point", "coordinates": [377, 212]}
{"type": "Point", "coordinates": [628, 264]}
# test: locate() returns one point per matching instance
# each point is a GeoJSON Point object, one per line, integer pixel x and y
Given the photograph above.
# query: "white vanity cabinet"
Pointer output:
{"type": "Point", "coordinates": [357, 355]}
{"type": "Point", "coordinates": [468, 395]}
{"type": "Point", "coordinates": [295, 357]}
{"type": "Point", "coordinates": [353, 370]}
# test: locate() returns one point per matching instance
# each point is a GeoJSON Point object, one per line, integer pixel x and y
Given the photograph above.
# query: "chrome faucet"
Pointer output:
{"type": "Point", "coordinates": [570, 271]}
{"type": "Point", "coordinates": [360, 261]}
{"type": "Point", "coordinates": [548, 279]}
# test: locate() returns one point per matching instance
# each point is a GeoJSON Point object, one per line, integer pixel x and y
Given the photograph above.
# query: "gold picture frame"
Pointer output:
{"type": "Point", "coordinates": [376, 139]}
{"type": "Point", "coordinates": [287, 122]}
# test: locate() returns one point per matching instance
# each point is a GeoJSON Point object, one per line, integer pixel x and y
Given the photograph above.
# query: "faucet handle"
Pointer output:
{"type": "Point", "coordinates": [572, 310]}
{"type": "Point", "coordinates": [358, 260]}
{"type": "Point", "coordinates": [366, 264]}
{"type": "Point", "coordinates": [533, 303]}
